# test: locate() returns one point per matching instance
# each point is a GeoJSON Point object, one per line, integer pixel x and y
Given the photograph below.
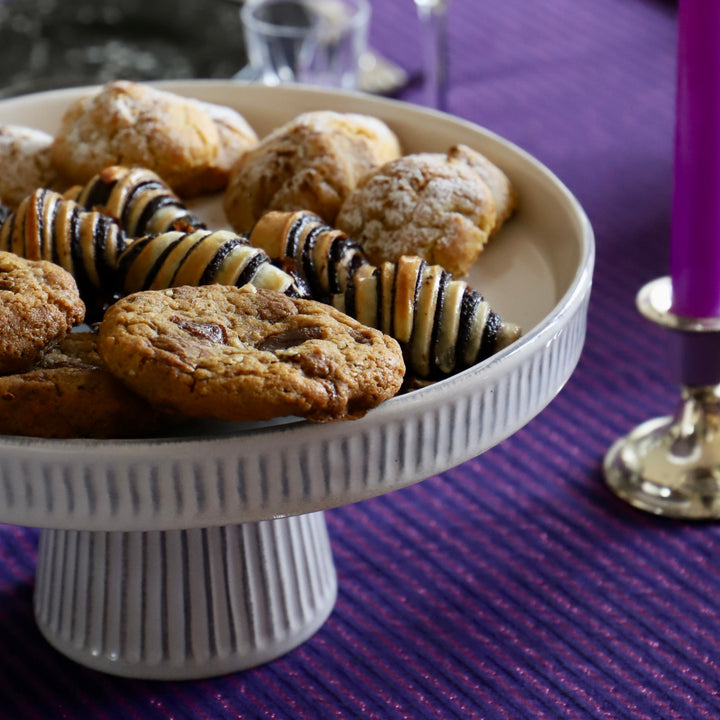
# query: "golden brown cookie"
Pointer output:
{"type": "Point", "coordinates": [243, 354]}
{"type": "Point", "coordinates": [421, 205]}
{"type": "Point", "coordinates": [70, 394]}
{"type": "Point", "coordinates": [129, 123]}
{"type": "Point", "coordinates": [25, 163]}
{"type": "Point", "coordinates": [311, 163]}
{"type": "Point", "coordinates": [39, 303]}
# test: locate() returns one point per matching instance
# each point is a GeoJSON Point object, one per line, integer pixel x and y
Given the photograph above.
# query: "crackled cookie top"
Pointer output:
{"type": "Point", "coordinates": [69, 393]}
{"type": "Point", "coordinates": [25, 159]}
{"type": "Point", "coordinates": [243, 354]}
{"type": "Point", "coordinates": [128, 123]}
{"type": "Point", "coordinates": [310, 163]}
{"type": "Point", "coordinates": [424, 205]}
{"type": "Point", "coordinates": [39, 302]}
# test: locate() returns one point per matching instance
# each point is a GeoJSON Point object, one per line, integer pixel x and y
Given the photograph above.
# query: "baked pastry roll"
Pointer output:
{"type": "Point", "coordinates": [442, 325]}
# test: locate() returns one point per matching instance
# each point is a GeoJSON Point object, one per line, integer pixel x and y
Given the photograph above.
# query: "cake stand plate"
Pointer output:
{"type": "Point", "coordinates": [204, 553]}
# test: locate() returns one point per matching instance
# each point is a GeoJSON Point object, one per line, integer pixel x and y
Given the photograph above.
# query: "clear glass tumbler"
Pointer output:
{"type": "Point", "coordinates": [315, 42]}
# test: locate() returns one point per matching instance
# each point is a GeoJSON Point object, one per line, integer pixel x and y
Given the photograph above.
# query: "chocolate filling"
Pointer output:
{"type": "Point", "coordinates": [98, 193]}
{"type": "Point", "coordinates": [157, 265]}
{"type": "Point", "coordinates": [158, 202]}
{"type": "Point", "coordinates": [212, 332]}
{"type": "Point", "coordinates": [290, 338]}
{"type": "Point", "coordinates": [208, 275]}
{"type": "Point", "coordinates": [488, 343]}
{"type": "Point", "coordinates": [308, 265]}
{"type": "Point", "coordinates": [250, 270]}
{"type": "Point", "coordinates": [445, 278]}
{"type": "Point", "coordinates": [468, 308]}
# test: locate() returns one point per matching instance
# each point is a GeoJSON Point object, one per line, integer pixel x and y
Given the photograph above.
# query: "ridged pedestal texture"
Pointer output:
{"type": "Point", "coordinates": [185, 604]}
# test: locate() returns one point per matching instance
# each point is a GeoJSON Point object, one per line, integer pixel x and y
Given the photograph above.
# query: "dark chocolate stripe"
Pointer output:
{"type": "Point", "coordinates": [148, 212]}
{"type": "Point", "coordinates": [309, 268]}
{"type": "Point", "coordinates": [159, 262]}
{"type": "Point", "coordinates": [56, 236]}
{"type": "Point", "coordinates": [130, 199]}
{"type": "Point", "coordinates": [250, 270]}
{"type": "Point", "coordinates": [488, 344]}
{"type": "Point", "coordinates": [445, 279]}
{"type": "Point", "coordinates": [101, 232]}
{"type": "Point", "coordinates": [339, 246]}
{"type": "Point", "coordinates": [98, 194]}
{"type": "Point", "coordinates": [38, 208]}
{"type": "Point", "coordinates": [295, 231]}
{"type": "Point", "coordinates": [468, 307]}
{"type": "Point", "coordinates": [78, 219]}
{"type": "Point", "coordinates": [350, 304]}
{"type": "Point", "coordinates": [210, 271]}
{"type": "Point", "coordinates": [186, 257]}
{"type": "Point", "coordinates": [128, 257]}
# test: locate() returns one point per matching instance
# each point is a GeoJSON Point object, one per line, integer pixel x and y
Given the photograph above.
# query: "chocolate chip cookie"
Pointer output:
{"type": "Point", "coordinates": [39, 302]}
{"type": "Point", "coordinates": [245, 354]}
{"type": "Point", "coordinates": [69, 393]}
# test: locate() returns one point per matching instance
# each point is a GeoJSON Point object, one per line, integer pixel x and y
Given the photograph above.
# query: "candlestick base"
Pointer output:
{"type": "Point", "coordinates": [671, 465]}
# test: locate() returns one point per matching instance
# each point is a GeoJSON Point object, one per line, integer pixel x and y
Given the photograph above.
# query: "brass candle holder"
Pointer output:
{"type": "Point", "coordinates": [671, 465]}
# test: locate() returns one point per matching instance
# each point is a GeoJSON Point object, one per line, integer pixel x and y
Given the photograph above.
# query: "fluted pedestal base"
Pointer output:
{"type": "Point", "coordinates": [184, 604]}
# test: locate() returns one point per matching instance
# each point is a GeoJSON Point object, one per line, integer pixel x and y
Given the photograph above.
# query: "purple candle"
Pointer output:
{"type": "Point", "coordinates": [695, 236]}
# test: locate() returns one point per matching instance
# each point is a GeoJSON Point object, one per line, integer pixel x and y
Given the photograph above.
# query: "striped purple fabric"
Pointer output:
{"type": "Point", "coordinates": [514, 586]}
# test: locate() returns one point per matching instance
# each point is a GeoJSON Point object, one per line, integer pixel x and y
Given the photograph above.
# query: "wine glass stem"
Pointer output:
{"type": "Point", "coordinates": [433, 18]}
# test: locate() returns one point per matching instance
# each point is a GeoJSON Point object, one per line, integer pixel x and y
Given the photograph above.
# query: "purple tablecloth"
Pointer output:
{"type": "Point", "coordinates": [516, 585]}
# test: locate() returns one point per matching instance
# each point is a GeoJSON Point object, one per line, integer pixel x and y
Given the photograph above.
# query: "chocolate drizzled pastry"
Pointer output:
{"type": "Point", "coordinates": [442, 325]}
{"type": "Point", "coordinates": [140, 201]}
{"type": "Point", "coordinates": [85, 243]}
{"type": "Point", "coordinates": [201, 257]}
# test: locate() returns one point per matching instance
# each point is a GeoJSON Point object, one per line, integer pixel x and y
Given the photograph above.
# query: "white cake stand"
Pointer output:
{"type": "Point", "coordinates": [186, 557]}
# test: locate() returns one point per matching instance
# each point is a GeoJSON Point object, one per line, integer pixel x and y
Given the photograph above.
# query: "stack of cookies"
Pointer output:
{"type": "Point", "coordinates": [334, 290]}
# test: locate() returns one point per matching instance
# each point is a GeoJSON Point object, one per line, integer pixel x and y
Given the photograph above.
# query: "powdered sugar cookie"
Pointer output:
{"type": "Point", "coordinates": [26, 162]}
{"type": "Point", "coordinates": [311, 163]}
{"type": "Point", "coordinates": [128, 123]}
{"type": "Point", "coordinates": [423, 205]}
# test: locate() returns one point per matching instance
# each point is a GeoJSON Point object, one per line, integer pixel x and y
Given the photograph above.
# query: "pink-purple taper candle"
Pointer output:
{"type": "Point", "coordinates": [695, 236]}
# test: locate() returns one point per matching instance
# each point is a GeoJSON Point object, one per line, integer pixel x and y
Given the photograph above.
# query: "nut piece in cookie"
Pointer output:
{"type": "Point", "coordinates": [311, 163]}
{"type": "Point", "coordinates": [70, 394]}
{"type": "Point", "coordinates": [128, 123]}
{"type": "Point", "coordinates": [39, 303]}
{"type": "Point", "coordinates": [424, 205]}
{"type": "Point", "coordinates": [243, 354]}
{"type": "Point", "coordinates": [25, 159]}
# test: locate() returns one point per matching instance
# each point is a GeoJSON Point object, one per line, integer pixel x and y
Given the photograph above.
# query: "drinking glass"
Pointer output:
{"type": "Point", "coordinates": [316, 42]}
{"type": "Point", "coordinates": [433, 19]}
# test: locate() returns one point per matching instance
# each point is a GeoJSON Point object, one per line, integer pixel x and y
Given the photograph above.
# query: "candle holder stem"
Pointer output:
{"type": "Point", "coordinates": [671, 465]}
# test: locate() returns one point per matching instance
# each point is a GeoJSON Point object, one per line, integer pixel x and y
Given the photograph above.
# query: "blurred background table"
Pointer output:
{"type": "Point", "coordinates": [516, 585]}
